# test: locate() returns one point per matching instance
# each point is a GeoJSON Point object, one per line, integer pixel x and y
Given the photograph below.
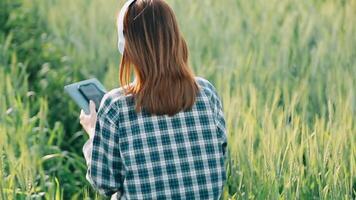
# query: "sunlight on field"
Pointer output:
{"type": "Point", "coordinates": [286, 71]}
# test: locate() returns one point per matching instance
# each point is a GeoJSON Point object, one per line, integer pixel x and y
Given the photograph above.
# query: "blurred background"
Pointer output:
{"type": "Point", "coordinates": [285, 70]}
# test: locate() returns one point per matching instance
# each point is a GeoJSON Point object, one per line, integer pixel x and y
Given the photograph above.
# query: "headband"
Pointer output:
{"type": "Point", "coordinates": [120, 26]}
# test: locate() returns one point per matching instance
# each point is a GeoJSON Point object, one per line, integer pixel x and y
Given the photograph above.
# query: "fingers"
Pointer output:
{"type": "Point", "coordinates": [82, 122]}
{"type": "Point", "coordinates": [92, 107]}
{"type": "Point", "coordinates": [82, 115]}
{"type": "Point", "coordinates": [88, 121]}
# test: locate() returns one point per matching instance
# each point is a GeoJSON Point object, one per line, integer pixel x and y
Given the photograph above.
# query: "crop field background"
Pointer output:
{"type": "Point", "coordinates": [285, 70]}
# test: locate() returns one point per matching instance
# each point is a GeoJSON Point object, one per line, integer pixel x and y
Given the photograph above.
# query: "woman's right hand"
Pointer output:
{"type": "Point", "coordinates": [88, 121]}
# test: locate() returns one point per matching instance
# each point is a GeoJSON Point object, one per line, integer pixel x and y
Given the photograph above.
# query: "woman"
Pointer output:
{"type": "Point", "coordinates": [163, 135]}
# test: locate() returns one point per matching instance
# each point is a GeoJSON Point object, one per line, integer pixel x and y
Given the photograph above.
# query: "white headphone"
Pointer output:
{"type": "Point", "coordinates": [120, 26]}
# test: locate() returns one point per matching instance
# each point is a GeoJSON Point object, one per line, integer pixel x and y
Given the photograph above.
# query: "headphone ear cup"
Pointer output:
{"type": "Point", "coordinates": [121, 44]}
{"type": "Point", "coordinates": [120, 26]}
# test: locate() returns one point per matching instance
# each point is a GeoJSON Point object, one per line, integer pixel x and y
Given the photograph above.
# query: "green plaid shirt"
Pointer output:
{"type": "Point", "coordinates": [144, 156]}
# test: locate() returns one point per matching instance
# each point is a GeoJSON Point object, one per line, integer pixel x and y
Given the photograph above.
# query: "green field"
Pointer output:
{"type": "Point", "coordinates": [285, 70]}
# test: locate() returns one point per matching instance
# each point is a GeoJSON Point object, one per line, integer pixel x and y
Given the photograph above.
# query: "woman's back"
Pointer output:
{"type": "Point", "coordinates": [148, 156]}
{"type": "Point", "coordinates": [162, 137]}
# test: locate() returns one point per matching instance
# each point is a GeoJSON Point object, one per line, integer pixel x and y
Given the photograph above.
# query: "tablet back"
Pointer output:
{"type": "Point", "coordinates": [73, 91]}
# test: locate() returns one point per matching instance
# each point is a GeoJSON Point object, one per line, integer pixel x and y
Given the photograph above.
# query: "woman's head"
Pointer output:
{"type": "Point", "coordinates": [158, 55]}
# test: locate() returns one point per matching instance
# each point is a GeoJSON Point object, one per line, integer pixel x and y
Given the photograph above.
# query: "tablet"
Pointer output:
{"type": "Point", "coordinates": [84, 91]}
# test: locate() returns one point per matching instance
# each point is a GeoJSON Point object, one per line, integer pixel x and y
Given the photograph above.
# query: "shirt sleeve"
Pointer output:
{"type": "Point", "coordinates": [218, 112]}
{"type": "Point", "coordinates": [220, 120]}
{"type": "Point", "coordinates": [105, 168]}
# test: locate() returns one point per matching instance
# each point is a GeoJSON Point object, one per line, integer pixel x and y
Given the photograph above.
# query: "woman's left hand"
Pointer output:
{"type": "Point", "coordinates": [88, 121]}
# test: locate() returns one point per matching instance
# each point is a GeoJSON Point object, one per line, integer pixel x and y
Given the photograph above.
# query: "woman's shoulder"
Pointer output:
{"type": "Point", "coordinates": [112, 99]}
{"type": "Point", "coordinates": [206, 86]}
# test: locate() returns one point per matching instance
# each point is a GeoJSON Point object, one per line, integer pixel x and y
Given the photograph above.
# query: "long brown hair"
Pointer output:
{"type": "Point", "coordinates": [158, 55]}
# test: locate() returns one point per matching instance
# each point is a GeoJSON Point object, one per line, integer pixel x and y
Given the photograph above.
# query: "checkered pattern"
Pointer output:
{"type": "Point", "coordinates": [145, 156]}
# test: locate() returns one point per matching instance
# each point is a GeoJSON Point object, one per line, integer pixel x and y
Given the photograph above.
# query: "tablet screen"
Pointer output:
{"type": "Point", "coordinates": [91, 92]}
